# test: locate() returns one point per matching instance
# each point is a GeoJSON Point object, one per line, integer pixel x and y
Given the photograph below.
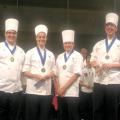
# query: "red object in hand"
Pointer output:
{"type": "Point", "coordinates": [55, 99]}
{"type": "Point", "coordinates": [55, 102]}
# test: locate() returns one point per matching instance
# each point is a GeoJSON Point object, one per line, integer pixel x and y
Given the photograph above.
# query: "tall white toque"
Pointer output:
{"type": "Point", "coordinates": [41, 28]}
{"type": "Point", "coordinates": [112, 18]}
{"type": "Point", "coordinates": [68, 36]}
{"type": "Point", "coordinates": [11, 24]}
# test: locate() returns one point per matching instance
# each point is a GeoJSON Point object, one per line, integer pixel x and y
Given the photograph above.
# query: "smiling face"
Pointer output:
{"type": "Point", "coordinates": [110, 30]}
{"type": "Point", "coordinates": [11, 36]}
{"type": "Point", "coordinates": [41, 39]}
{"type": "Point", "coordinates": [68, 46]}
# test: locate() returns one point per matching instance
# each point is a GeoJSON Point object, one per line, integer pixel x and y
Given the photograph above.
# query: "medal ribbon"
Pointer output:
{"type": "Point", "coordinates": [110, 45]}
{"type": "Point", "coordinates": [42, 58]}
{"type": "Point", "coordinates": [11, 51]}
{"type": "Point", "coordinates": [66, 58]}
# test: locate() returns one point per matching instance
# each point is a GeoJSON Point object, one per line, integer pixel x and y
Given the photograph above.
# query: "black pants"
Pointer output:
{"type": "Point", "coordinates": [86, 106]}
{"type": "Point", "coordinates": [105, 101]}
{"type": "Point", "coordinates": [37, 107]}
{"type": "Point", "coordinates": [68, 108]}
{"type": "Point", "coordinates": [10, 106]}
{"type": "Point", "coordinates": [119, 111]}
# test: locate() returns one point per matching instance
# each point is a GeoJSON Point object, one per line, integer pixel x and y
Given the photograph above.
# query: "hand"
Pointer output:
{"type": "Point", "coordinates": [85, 85]}
{"type": "Point", "coordinates": [61, 91]}
{"type": "Point", "coordinates": [88, 87]}
{"type": "Point", "coordinates": [81, 82]}
{"type": "Point", "coordinates": [106, 67]}
{"type": "Point", "coordinates": [99, 71]}
{"type": "Point", "coordinates": [49, 75]}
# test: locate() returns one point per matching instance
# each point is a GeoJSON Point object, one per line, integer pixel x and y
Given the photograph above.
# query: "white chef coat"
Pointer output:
{"type": "Point", "coordinates": [10, 72]}
{"type": "Point", "coordinates": [33, 64]}
{"type": "Point", "coordinates": [73, 66]}
{"type": "Point", "coordinates": [98, 54]}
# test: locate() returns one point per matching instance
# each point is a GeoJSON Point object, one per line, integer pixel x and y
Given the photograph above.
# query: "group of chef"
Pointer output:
{"type": "Point", "coordinates": [86, 87]}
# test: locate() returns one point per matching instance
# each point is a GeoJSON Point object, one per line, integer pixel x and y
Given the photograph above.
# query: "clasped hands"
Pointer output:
{"type": "Point", "coordinates": [100, 69]}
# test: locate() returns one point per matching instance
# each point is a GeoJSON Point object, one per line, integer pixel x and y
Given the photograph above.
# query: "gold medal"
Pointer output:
{"type": "Point", "coordinates": [64, 67]}
{"type": "Point", "coordinates": [12, 59]}
{"type": "Point", "coordinates": [43, 70]}
{"type": "Point", "coordinates": [107, 57]}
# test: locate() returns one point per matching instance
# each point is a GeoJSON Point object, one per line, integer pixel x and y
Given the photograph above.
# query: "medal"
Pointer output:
{"type": "Point", "coordinates": [107, 57]}
{"type": "Point", "coordinates": [42, 58]}
{"type": "Point", "coordinates": [12, 59]}
{"type": "Point", "coordinates": [66, 59]}
{"type": "Point", "coordinates": [108, 46]}
{"type": "Point", "coordinates": [64, 67]}
{"type": "Point", "coordinates": [43, 70]}
{"type": "Point", "coordinates": [11, 51]}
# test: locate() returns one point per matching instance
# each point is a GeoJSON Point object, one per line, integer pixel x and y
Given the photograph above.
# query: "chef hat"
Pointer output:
{"type": "Point", "coordinates": [11, 24]}
{"type": "Point", "coordinates": [41, 28]}
{"type": "Point", "coordinates": [68, 36]}
{"type": "Point", "coordinates": [112, 18]}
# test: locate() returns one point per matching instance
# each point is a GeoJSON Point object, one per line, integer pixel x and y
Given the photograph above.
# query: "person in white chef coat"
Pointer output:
{"type": "Point", "coordinates": [11, 62]}
{"type": "Point", "coordinates": [38, 69]}
{"type": "Point", "coordinates": [105, 58]}
{"type": "Point", "coordinates": [68, 70]}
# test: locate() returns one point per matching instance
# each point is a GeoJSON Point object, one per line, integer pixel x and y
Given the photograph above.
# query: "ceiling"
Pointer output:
{"type": "Point", "coordinates": [73, 4]}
